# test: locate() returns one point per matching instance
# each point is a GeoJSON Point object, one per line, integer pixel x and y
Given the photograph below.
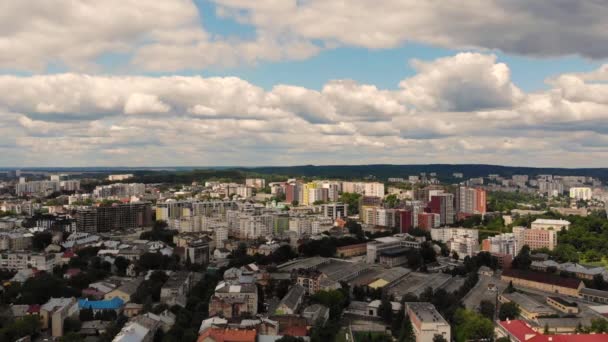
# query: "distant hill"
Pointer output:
{"type": "Point", "coordinates": [444, 171]}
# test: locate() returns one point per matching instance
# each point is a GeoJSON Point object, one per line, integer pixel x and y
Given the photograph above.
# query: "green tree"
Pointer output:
{"type": "Point", "coordinates": [352, 199]}
{"type": "Point", "coordinates": [486, 309]}
{"type": "Point", "coordinates": [508, 310]}
{"type": "Point", "coordinates": [407, 331]}
{"type": "Point", "coordinates": [522, 261]}
{"type": "Point", "coordinates": [385, 309]}
{"type": "Point", "coordinates": [121, 264]}
{"type": "Point", "coordinates": [472, 326]}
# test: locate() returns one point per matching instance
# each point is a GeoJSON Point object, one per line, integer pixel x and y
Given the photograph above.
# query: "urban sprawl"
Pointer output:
{"type": "Point", "coordinates": [111, 257]}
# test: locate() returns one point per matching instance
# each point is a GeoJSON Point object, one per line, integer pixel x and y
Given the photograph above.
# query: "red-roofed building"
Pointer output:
{"type": "Point", "coordinates": [70, 272]}
{"type": "Point", "coordinates": [520, 331]}
{"type": "Point", "coordinates": [227, 335]}
{"type": "Point", "coordinates": [34, 309]}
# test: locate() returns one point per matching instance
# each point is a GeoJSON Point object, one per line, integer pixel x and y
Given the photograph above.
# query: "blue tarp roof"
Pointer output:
{"type": "Point", "coordinates": [112, 304]}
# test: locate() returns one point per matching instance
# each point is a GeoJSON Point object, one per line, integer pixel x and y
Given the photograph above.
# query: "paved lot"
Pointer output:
{"type": "Point", "coordinates": [480, 292]}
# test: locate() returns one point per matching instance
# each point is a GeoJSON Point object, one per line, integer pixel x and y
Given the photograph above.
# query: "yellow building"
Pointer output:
{"type": "Point", "coordinates": [543, 282]}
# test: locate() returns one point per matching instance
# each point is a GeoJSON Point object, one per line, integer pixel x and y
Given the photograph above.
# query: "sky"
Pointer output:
{"type": "Point", "coordinates": [294, 82]}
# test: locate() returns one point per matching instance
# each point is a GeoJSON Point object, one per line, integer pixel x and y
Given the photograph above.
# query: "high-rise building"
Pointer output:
{"type": "Point", "coordinates": [258, 183]}
{"type": "Point", "coordinates": [470, 201]}
{"type": "Point", "coordinates": [114, 217]}
{"type": "Point", "coordinates": [443, 204]}
{"type": "Point", "coordinates": [580, 193]}
{"type": "Point", "coordinates": [501, 244]}
{"type": "Point", "coordinates": [318, 195]}
{"type": "Point", "coordinates": [335, 210]}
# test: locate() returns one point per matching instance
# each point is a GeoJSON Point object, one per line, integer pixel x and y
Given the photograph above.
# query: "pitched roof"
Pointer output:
{"type": "Point", "coordinates": [228, 335]}
{"type": "Point", "coordinates": [523, 332]}
{"type": "Point", "coordinates": [112, 304]}
{"type": "Point", "coordinates": [293, 297]}
{"type": "Point", "coordinates": [544, 278]}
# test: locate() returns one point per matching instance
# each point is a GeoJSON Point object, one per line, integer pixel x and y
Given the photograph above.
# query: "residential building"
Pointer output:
{"type": "Point", "coordinates": [120, 177]}
{"type": "Point", "coordinates": [244, 191]}
{"type": "Point", "coordinates": [37, 188]}
{"type": "Point", "coordinates": [175, 290]}
{"type": "Point", "coordinates": [427, 322]}
{"type": "Point", "coordinates": [463, 241]}
{"type": "Point", "coordinates": [23, 260]}
{"type": "Point", "coordinates": [119, 190]}
{"type": "Point", "coordinates": [125, 291]}
{"type": "Point", "coordinates": [428, 221]}
{"type": "Point", "coordinates": [534, 238]}
{"type": "Point", "coordinates": [114, 217]}
{"type": "Point", "coordinates": [234, 300]}
{"type": "Point", "coordinates": [335, 210]}
{"type": "Point", "coordinates": [443, 204]}
{"type": "Point", "coordinates": [318, 195]}
{"type": "Point", "coordinates": [580, 193]}
{"type": "Point", "coordinates": [470, 201]}
{"type": "Point", "coordinates": [54, 312]}
{"type": "Point", "coordinates": [258, 183]}
{"type": "Point", "coordinates": [501, 244]}
{"type": "Point", "coordinates": [310, 280]}
{"type": "Point", "coordinates": [290, 304]}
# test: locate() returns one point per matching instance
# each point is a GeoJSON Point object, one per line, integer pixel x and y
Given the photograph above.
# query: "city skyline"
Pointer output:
{"type": "Point", "coordinates": [228, 82]}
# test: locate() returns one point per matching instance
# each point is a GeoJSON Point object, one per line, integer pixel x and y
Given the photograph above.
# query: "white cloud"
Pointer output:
{"type": "Point", "coordinates": [465, 82]}
{"type": "Point", "coordinates": [169, 35]}
{"type": "Point", "coordinates": [78, 119]}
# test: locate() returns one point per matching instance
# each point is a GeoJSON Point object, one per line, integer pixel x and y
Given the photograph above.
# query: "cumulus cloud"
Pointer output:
{"type": "Point", "coordinates": [539, 28]}
{"type": "Point", "coordinates": [139, 103]}
{"type": "Point", "coordinates": [465, 82]}
{"type": "Point", "coordinates": [456, 109]}
{"type": "Point", "coordinates": [169, 35]}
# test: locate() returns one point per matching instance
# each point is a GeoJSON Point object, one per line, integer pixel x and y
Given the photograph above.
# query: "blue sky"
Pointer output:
{"type": "Point", "coordinates": [382, 67]}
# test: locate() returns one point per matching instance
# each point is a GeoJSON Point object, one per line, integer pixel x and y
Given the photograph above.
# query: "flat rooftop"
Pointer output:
{"type": "Point", "coordinates": [426, 312]}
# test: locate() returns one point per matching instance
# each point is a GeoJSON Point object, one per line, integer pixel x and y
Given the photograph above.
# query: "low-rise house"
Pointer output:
{"type": "Point", "coordinates": [291, 302]}
{"type": "Point", "coordinates": [310, 280]}
{"type": "Point", "coordinates": [227, 335]}
{"type": "Point", "coordinates": [234, 300]}
{"type": "Point", "coordinates": [165, 318]}
{"type": "Point", "coordinates": [139, 328]}
{"type": "Point", "coordinates": [115, 304]}
{"type": "Point", "coordinates": [125, 291]}
{"type": "Point", "coordinates": [132, 309]}
{"type": "Point", "coordinates": [94, 328]}
{"type": "Point", "coordinates": [176, 288]}
{"type": "Point", "coordinates": [71, 272]}
{"type": "Point", "coordinates": [316, 314]}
